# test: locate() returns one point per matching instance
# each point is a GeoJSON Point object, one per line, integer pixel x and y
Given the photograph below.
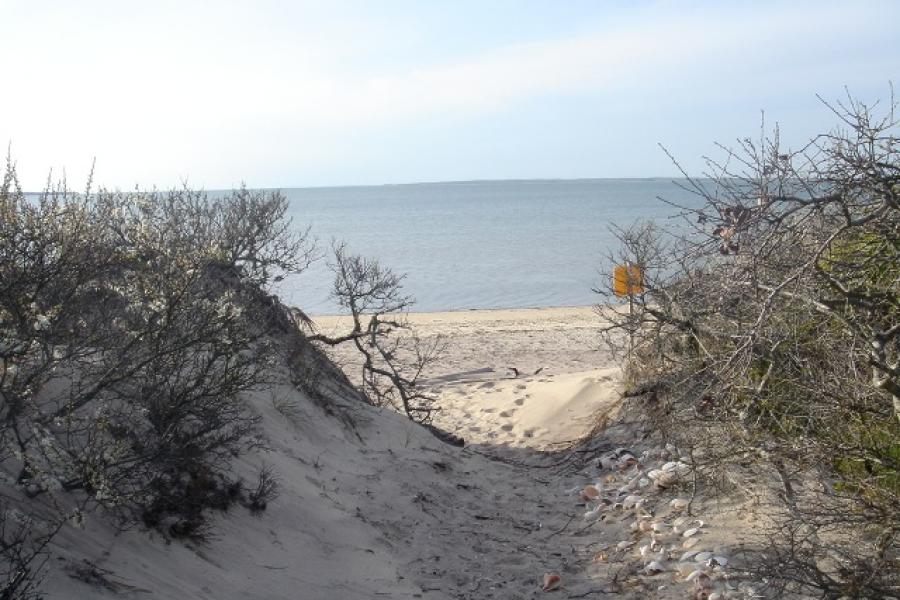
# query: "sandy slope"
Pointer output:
{"type": "Point", "coordinates": [383, 509]}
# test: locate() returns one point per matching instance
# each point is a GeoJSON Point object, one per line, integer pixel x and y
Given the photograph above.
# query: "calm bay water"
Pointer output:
{"type": "Point", "coordinates": [477, 244]}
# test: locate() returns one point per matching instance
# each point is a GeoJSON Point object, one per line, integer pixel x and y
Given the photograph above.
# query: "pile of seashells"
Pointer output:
{"type": "Point", "coordinates": [672, 544]}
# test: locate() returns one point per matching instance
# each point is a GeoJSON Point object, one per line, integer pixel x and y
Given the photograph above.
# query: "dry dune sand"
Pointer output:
{"type": "Point", "coordinates": [383, 509]}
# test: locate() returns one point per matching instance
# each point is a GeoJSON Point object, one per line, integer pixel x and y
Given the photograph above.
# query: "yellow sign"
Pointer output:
{"type": "Point", "coordinates": [628, 280]}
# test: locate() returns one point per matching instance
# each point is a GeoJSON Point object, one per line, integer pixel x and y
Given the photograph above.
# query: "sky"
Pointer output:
{"type": "Point", "coordinates": [296, 93]}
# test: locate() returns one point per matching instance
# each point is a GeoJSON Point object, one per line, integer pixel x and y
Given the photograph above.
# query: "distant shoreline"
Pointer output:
{"type": "Point", "coordinates": [452, 182]}
{"type": "Point", "coordinates": [468, 311]}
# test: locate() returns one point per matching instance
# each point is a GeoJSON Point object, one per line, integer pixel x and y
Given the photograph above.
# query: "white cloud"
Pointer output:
{"type": "Point", "coordinates": [145, 98]}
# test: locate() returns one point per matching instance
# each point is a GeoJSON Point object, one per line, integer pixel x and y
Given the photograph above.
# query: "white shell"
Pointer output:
{"type": "Point", "coordinates": [691, 532]}
{"type": "Point", "coordinates": [630, 501]}
{"type": "Point", "coordinates": [694, 575]}
{"type": "Point", "coordinates": [703, 556]}
{"type": "Point", "coordinates": [690, 543]}
{"type": "Point", "coordinates": [593, 514]}
{"type": "Point", "coordinates": [680, 521]}
{"type": "Point", "coordinates": [719, 560]}
{"type": "Point", "coordinates": [679, 503]}
{"type": "Point", "coordinates": [659, 527]}
{"type": "Point", "coordinates": [688, 555]}
{"type": "Point", "coordinates": [624, 545]}
{"type": "Point", "coordinates": [654, 567]}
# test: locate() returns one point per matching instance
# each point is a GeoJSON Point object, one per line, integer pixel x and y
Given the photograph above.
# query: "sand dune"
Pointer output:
{"type": "Point", "coordinates": [383, 509]}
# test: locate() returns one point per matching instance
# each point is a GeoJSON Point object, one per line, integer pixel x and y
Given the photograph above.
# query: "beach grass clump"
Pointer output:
{"type": "Point", "coordinates": [768, 332]}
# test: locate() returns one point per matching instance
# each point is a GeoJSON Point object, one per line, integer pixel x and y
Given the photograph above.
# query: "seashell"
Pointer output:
{"type": "Point", "coordinates": [667, 479]}
{"type": "Point", "coordinates": [624, 545]}
{"type": "Point", "coordinates": [551, 581]}
{"type": "Point", "coordinates": [630, 501]}
{"type": "Point", "coordinates": [715, 596]}
{"type": "Point", "coordinates": [679, 503]}
{"type": "Point", "coordinates": [629, 462]}
{"type": "Point", "coordinates": [589, 493]}
{"type": "Point", "coordinates": [681, 521]}
{"type": "Point", "coordinates": [654, 567]}
{"type": "Point", "coordinates": [659, 527]}
{"type": "Point", "coordinates": [703, 556]}
{"type": "Point", "coordinates": [702, 582]}
{"type": "Point", "coordinates": [594, 513]}
{"type": "Point", "coordinates": [694, 575]}
{"type": "Point", "coordinates": [601, 556]}
{"type": "Point", "coordinates": [644, 550]}
{"type": "Point", "coordinates": [718, 560]}
{"type": "Point", "coordinates": [644, 525]}
{"type": "Point", "coordinates": [655, 474]}
{"type": "Point", "coordinates": [688, 555]}
{"type": "Point", "coordinates": [669, 466]}
{"type": "Point", "coordinates": [607, 463]}
{"type": "Point", "coordinates": [691, 532]}
{"type": "Point", "coordinates": [644, 482]}
{"type": "Point", "coordinates": [690, 543]}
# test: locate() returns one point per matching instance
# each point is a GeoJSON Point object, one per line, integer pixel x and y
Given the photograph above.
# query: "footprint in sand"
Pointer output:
{"type": "Point", "coordinates": [529, 433]}
{"type": "Point", "coordinates": [520, 401]}
{"type": "Point", "coordinates": [487, 384]}
{"type": "Point", "coordinates": [507, 413]}
{"type": "Point", "coordinates": [488, 410]}
{"type": "Point", "coordinates": [475, 429]}
{"type": "Point", "coordinates": [521, 386]}
{"type": "Point", "coordinates": [507, 427]}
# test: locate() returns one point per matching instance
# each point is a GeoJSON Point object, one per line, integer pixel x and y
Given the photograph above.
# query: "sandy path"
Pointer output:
{"type": "Point", "coordinates": [381, 508]}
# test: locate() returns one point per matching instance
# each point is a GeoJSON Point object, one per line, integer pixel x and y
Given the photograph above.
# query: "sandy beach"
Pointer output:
{"type": "Point", "coordinates": [530, 377]}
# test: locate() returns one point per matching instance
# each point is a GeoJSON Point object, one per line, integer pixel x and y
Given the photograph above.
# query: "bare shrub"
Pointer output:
{"type": "Point", "coordinates": [266, 489]}
{"type": "Point", "coordinates": [768, 335]}
{"type": "Point", "coordinates": [23, 556]}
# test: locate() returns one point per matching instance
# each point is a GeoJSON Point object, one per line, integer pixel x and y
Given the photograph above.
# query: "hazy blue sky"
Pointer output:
{"type": "Point", "coordinates": [280, 94]}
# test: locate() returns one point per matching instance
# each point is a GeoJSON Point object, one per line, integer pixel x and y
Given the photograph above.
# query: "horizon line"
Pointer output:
{"type": "Point", "coordinates": [409, 183]}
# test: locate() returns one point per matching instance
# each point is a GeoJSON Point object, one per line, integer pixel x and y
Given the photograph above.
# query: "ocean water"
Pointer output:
{"type": "Point", "coordinates": [480, 244]}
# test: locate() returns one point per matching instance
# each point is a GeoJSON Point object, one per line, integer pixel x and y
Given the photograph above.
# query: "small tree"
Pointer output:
{"type": "Point", "coordinates": [392, 363]}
